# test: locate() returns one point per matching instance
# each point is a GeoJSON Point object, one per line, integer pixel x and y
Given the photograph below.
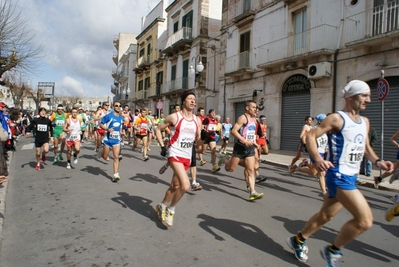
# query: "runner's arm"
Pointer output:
{"type": "Point", "coordinates": [170, 120]}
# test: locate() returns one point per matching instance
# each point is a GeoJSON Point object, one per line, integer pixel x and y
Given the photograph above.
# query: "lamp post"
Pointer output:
{"type": "Point", "coordinates": [126, 93]}
{"type": "Point", "coordinates": [198, 68]}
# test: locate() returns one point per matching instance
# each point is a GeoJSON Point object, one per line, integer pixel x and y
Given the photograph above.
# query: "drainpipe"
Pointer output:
{"type": "Point", "coordinates": [341, 27]}
{"type": "Point", "coordinates": [224, 100]}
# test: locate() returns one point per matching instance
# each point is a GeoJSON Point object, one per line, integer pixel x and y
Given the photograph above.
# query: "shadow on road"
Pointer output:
{"type": "Point", "coordinates": [247, 234]}
{"type": "Point", "coordinates": [96, 171]}
{"type": "Point", "coordinates": [140, 205]}
{"type": "Point", "coordinates": [328, 235]}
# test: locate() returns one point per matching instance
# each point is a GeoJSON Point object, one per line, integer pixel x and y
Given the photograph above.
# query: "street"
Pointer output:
{"type": "Point", "coordinates": [78, 217]}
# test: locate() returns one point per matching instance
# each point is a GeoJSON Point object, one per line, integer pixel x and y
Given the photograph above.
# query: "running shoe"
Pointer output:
{"type": "Point", "coordinates": [392, 212]}
{"type": "Point", "coordinates": [161, 212]}
{"type": "Point", "coordinates": [116, 177]}
{"type": "Point", "coordinates": [169, 217]}
{"type": "Point", "coordinates": [120, 157]}
{"type": "Point", "coordinates": [260, 178]}
{"type": "Point", "coordinates": [395, 198]}
{"type": "Point", "coordinates": [255, 195]}
{"type": "Point", "coordinates": [292, 168]}
{"type": "Point", "coordinates": [43, 157]}
{"type": "Point", "coordinates": [222, 159]}
{"type": "Point", "coordinates": [99, 153]}
{"type": "Point", "coordinates": [75, 160]}
{"type": "Point", "coordinates": [196, 186]}
{"type": "Point", "coordinates": [163, 169]}
{"type": "Point", "coordinates": [394, 177]}
{"type": "Point", "coordinates": [60, 157]}
{"type": "Point", "coordinates": [202, 162]}
{"type": "Point", "coordinates": [360, 182]}
{"type": "Point", "coordinates": [300, 250]}
{"type": "Point", "coordinates": [37, 167]}
{"type": "Point", "coordinates": [304, 162]}
{"type": "Point", "coordinates": [332, 258]}
{"type": "Point", "coordinates": [55, 159]}
{"type": "Point", "coordinates": [68, 166]}
{"type": "Point", "coordinates": [376, 182]}
{"type": "Point", "coordinates": [146, 158]}
{"type": "Point", "coordinates": [215, 168]}
{"type": "Point", "coordinates": [107, 159]}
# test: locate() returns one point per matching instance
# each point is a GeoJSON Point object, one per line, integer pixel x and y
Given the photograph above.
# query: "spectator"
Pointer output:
{"type": "Point", "coordinates": [366, 167]}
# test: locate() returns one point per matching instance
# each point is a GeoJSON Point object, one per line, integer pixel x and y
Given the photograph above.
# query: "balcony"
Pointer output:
{"type": "Point", "coordinates": [116, 42]}
{"type": "Point", "coordinates": [320, 40]}
{"type": "Point", "coordinates": [374, 26]}
{"type": "Point", "coordinates": [113, 89]}
{"type": "Point", "coordinates": [143, 63]}
{"type": "Point", "coordinates": [115, 57]}
{"type": "Point", "coordinates": [123, 75]}
{"type": "Point", "coordinates": [114, 73]}
{"type": "Point", "coordinates": [244, 13]}
{"type": "Point", "coordinates": [240, 64]}
{"type": "Point", "coordinates": [143, 94]}
{"type": "Point", "coordinates": [179, 40]}
{"type": "Point", "coordinates": [177, 85]}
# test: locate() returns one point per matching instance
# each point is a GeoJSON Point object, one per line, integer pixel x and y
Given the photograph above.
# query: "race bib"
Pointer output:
{"type": "Point", "coordinates": [250, 135]}
{"type": "Point", "coordinates": [144, 126]}
{"type": "Point", "coordinates": [211, 127]}
{"type": "Point", "coordinates": [42, 127]}
{"type": "Point", "coordinates": [73, 137]}
{"type": "Point", "coordinates": [59, 123]}
{"type": "Point", "coordinates": [114, 135]}
{"type": "Point", "coordinates": [187, 143]}
{"type": "Point", "coordinates": [355, 152]}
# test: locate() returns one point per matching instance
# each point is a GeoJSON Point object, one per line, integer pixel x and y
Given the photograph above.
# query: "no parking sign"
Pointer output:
{"type": "Point", "coordinates": [382, 89]}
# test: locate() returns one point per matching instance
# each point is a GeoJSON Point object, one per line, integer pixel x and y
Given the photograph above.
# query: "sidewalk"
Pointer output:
{"type": "Point", "coordinates": [282, 158]}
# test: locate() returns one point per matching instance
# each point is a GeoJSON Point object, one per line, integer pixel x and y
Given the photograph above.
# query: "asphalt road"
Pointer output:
{"type": "Point", "coordinates": [78, 217]}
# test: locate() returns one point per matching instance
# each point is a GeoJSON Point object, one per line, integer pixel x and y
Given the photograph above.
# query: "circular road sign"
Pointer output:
{"type": "Point", "coordinates": [382, 89]}
{"type": "Point", "coordinates": [159, 105]}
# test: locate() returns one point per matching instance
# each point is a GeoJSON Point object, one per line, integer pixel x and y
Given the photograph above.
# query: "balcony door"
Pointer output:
{"type": "Point", "coordinates": [185, 75]}
{"type": "Point", "coordinates": [247, 5]}
{"type": "Point", "coordinates": [187, 24]}
{"type": "Point", "coordinates": [300, 27]}
{"type": "Point", "coordinates": [245, 47]}
{"type": "Point", "coordinates": [385, 16]}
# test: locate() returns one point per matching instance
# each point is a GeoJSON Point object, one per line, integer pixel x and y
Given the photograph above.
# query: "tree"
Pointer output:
{"type": "Point", "coordinates": [17, 50]}
{"type": "Point", "coordinates": [37, 96]}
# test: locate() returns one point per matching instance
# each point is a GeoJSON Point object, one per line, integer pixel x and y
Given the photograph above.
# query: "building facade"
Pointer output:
{"type": "Point", "coordinates": [294, 56]}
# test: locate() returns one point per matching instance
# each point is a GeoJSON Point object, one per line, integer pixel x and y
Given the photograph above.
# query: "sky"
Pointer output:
{"type": "Point", "coordinates": [77, 36]}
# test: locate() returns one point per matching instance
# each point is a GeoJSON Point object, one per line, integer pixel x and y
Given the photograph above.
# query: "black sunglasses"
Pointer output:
{"type": "Point", "coordinates": [117, 106]}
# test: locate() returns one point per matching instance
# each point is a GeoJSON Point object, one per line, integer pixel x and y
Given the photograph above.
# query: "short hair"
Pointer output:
{"type": "Point", "coordinates": [200, 108]}
{"type": "Point", "coordinates": [249, 102]}
{"type": "Point", "coordinates": [176, 105]}
{"type": "Point", "coordinates": [126, 106]}
{"type": "Point", "coordinates": [308, 117]}
{"type": "Point", "coordinates": [211, 110]}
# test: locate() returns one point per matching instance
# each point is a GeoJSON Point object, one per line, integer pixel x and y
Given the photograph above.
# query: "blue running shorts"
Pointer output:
{"type": "Point", "coordinates": [111, 142]}
{"type": "Point", "coordinates": [336, 180]}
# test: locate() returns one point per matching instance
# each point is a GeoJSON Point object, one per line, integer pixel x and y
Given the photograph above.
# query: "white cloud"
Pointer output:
{"type": "Point", "coordinates": [78, 39]}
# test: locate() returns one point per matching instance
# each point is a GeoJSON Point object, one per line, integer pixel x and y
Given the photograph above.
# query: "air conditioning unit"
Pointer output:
{"type": "Point", "coordinates": [319, 70]}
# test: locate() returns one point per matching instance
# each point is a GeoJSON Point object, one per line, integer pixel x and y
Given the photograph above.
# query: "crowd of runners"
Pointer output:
{"type": "Point", "coordinates": [336, 146]}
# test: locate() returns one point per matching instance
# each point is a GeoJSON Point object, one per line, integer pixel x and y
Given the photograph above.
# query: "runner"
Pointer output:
{"type": "Point", "coordinates": [209, 125]}
{"type": "Point", "coordinates": [244, 131]}
{"type": "Point", "coordinates": [201, 116]}
{"type": "Point", "coordinates": [101, 112]}
{"type": "Point", "coordinates": [112, 125]}
{"type": "Point", "coordinates": [302, 143]}
{"type": "Point", "coordinates": [141, 127]}
{"type": "Point", "coordinates": [73, 128]}
{"type": "Point", "coordinates": [127, 124]}
{"type": "Point", "coordinates": [44, 131]}
{"type": "Point", "coordinates": [310, 169]}
{"type": "Point", "coordinates": [226, 128]}
{"type": "Point", "coordinates": [84, 120]}
{"type": "Point", "coordinates": [262, 140]}
{"type": "Point", "coordinates": [58, 119]}
{"type": "Point", "coordinates": [347, 133]}
{"type": "Point", "coordinates": [184, 130]}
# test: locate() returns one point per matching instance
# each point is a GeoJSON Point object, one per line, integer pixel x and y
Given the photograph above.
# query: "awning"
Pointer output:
{"type": "Point", "coordinates": [241, 98]}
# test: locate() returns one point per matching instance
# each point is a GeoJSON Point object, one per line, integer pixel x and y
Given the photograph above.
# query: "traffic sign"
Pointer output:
{"type": "Point", "coordinates": [382, 89]}
{"type": "Point", "coordinates": [159, 105]}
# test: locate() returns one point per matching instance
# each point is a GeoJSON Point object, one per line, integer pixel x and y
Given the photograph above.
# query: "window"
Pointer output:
{"type": "Point", "coordinates": [147, 83]}
{"type": "Point", "coordinates": [141, 53]}
{"type": "Point", "coordinates": [173, 73]}
{"type": "Point", "coordinates": [247, 5]}
{"type": "Point", "coordinates": [245, 47]}
{"type": "Point", "coordinates": [185, 74]}
{"type": "Point", "coordinates": [300, 21]}
{"type": "Point", "coordinates": [140, 85]}
{"type": "Point", "coordinates": [175, 26]}
{"type": "Point", "coordinates": [159, 81]}
{"type": "Point", "coordinates": [188, 20]}
{"type": "Point", "coordinates": [148, 50]}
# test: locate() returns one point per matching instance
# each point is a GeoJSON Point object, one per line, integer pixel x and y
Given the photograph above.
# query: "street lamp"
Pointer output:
{"type": "Point", "coordinates": [198, 69]}
{"type": "Point", "coordinates": [126, 93]}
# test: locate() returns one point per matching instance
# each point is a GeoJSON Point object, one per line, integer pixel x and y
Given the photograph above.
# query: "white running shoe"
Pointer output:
{"type": "Point", "coordinates": [68, 166]}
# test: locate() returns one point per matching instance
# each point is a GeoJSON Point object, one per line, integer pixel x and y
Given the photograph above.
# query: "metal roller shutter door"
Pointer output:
{"type": "Point", "coordinates": [295, 108]}
{"type": "Point", "coordinates": [391, 116]}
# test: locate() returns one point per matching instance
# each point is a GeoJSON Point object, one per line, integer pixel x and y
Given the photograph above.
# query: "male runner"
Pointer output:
{"type": "Point", "coordinates": [73, 129]}
{"type": "Point", "coordinates": [44, 131]}
{"type": "Point", "coordinates": [226, 128]}
{"type": "Point", "coordinates": [58, 118]}
{"type": "Point", "coordinates": [141, 127]}
{"type": "Point", "coordinates": [127, 124]}
{"type": "Point", "coordinates": [184, 131]}
{"type": "Point", "coordinates": [210, 124]}
{"type": "Point", "coordinates": [302, 143]}
{"type": "Point", "coordinates": [244, 131]}
{"type": "Point", "coordinates": [348, 142]}
{"type": "Point", "coordinates": [112, 125]}
{"type": "Point", "coordinates": [101, 112]}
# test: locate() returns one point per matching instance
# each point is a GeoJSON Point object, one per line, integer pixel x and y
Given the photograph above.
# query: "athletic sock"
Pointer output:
{"type": "Point", "coordinates": [333, 248]}
{"type": "Point", "coordinates": [379, 179]}
{"type": "Point", "coordinates": [299, 238]}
